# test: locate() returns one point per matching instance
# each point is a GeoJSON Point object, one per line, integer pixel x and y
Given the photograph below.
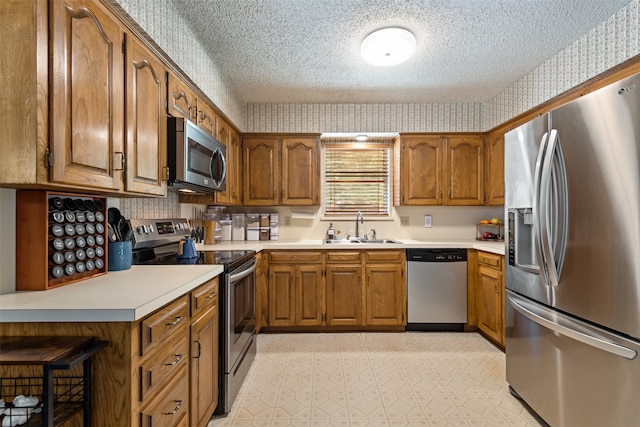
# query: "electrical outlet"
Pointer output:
{"type": "Point", "coordinates": [427, 221]}
{"type": "Point", "coordinates": [404, 220]}
{"type": "Point", "coordinates": [287, 220]}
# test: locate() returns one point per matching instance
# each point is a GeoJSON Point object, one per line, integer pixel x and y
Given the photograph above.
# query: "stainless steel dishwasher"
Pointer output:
{"type": "Point", "coordinates": [436, 289]}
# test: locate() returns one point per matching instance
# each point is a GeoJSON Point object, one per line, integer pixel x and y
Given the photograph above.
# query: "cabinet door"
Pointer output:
{"type": "Point", "coordinates": [282, 295]}
{"type": "Point", "coordinates": [205, 118]}
{"type": "Point", "coordinates": [300, 174]}
{"type": "Point", "coordinates": [464, 171]}
{"type": "Point", "coordinates": [385, 294]}
{"type": "Point", "coordinates": [146, 121]}
{"type": "Point", "coordinates": [261, 166]}
{"type": "Point", "coordinates": [344, 295]}
{"type": "Point", "coordinates": [490, 302]}
{"type": "Point", "coordinates": [87, 94]}
{"type": "Point", "coordinates": [204, 367]}
{"type": "Point", "coordinates": [495, 169]}
{"type": "Point", "coordinates": [262, 292]}
{"type": "Point", "coordinates": [421, 170]}
{"type": "Point", "coordinates": [234, 168]}
{"type": "Point", "coordinates": [309, 295]}
{"type": "Point", "coordinates": [181, 100]}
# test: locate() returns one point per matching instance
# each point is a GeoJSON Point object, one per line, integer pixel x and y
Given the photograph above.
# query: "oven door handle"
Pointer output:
{"type": "Point", "coordinates": [243, 273]}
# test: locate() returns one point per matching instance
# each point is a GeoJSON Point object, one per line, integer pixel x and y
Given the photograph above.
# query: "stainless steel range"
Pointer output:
{"type": "Point", "coordinates": [156, 242]}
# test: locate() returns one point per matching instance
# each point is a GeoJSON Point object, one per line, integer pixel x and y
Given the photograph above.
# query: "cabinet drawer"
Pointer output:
{"type": "Point", "coordinates": [155, 371]}
{"type": "Point", "coordinates": [343, 256]}
{"type": "Point", "coordinates": [204, 297]}
{"type": "Point", "coordinates": [158, 326]}
{"type": "Point", "coordinates": [490, 260]}
{"type": "Point", "coordinates": [296, 256]}
{"type": "Point", "coordinates": [171, 406]}
{"type": "Point", "coordinates": [384, 256]}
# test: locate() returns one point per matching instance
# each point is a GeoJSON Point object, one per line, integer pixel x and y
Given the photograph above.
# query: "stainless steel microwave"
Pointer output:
{"type": "Point", "coordinates": [197, 161]}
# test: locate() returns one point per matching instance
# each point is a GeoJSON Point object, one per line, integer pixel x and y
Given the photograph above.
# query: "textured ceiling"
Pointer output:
{"type": "Point", "coordinates": [307, 51]}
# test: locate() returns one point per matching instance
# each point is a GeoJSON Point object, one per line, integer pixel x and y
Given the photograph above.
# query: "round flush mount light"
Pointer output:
{"type": "Point", "coordinates": [388, 46]}
{"type": "Point", "coordinates": [361, 138]}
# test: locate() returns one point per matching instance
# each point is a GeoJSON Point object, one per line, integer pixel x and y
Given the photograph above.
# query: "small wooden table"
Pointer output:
{"type": "Point", "coordinates": [52, 353]}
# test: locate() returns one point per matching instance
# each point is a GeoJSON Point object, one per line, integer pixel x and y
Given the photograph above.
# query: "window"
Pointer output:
{"type": "Point", "coordinates": [357, 177]}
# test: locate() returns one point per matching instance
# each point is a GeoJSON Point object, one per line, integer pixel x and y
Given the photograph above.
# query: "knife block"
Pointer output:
{"type": "Point", "coordinates": [61, 238]}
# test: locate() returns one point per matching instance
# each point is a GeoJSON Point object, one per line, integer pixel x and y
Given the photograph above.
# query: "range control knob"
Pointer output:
{"type": "Point", "coordinates": [140, 229]}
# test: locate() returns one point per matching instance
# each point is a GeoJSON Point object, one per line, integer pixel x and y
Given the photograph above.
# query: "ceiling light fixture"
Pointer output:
{"type": "Point", "coordinates": [361, 138]}
{"type": "Point", "coordinates": [388, 46]}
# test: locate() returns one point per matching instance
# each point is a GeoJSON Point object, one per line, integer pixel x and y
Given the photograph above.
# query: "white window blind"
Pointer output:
{"type": "Point", "coordinates": [357, 178]}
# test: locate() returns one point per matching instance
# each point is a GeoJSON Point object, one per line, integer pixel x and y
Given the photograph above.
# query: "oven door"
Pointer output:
{"type": "Point", "coordinates": [240, 314]}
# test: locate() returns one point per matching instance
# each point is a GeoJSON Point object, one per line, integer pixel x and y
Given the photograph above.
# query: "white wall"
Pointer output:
{"type": "Point", "coordinates": [449, 222]}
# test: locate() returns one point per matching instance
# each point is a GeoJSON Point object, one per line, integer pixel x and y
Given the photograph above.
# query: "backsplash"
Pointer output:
{"type": "Point", "coordinates": [143, 208]}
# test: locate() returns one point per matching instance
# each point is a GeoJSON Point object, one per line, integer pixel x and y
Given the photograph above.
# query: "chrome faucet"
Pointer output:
{"type": "Point", "coordinates": [359, 216]}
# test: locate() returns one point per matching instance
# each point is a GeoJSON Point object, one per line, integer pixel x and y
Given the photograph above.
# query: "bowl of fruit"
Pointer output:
{"type": "Point", "coordinates": [490, 229]}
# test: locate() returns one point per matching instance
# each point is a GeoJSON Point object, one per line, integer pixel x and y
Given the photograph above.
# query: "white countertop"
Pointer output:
{"type": "Point", "coordinates": [118, 296]}
{"type": "Point", "coordinates": [259, 245]}
{"type": "Point", "coordinates": [125, 296]}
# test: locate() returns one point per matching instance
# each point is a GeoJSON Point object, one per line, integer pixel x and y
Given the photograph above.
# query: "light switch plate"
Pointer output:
{"type": "Point", "coordinates": [427, 221]}
{"type": "Point", "coordinates": [404, 220]}
{"type": "Point", "coordinates": [287, 220]}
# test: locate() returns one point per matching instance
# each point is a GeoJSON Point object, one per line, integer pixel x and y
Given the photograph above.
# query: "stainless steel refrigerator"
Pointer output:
{"type": "Point", "coordinates": [572, 209]}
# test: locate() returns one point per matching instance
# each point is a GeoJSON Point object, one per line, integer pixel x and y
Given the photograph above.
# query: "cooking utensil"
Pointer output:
{"type": "Point", "coordinates": [111, 233]}
{"type": "Point", "coordinates": [114, 217]}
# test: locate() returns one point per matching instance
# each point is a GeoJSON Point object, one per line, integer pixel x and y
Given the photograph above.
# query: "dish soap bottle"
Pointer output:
{"type": "Point", "coordinates": [331, 232]}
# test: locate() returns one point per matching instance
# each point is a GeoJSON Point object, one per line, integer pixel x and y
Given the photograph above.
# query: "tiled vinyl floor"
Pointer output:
{"type": "Point", "coordinates": [376, 379]}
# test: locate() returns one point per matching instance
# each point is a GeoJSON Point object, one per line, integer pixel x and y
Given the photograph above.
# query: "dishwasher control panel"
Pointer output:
{"type": "Point", "coordinates": [436, 255]}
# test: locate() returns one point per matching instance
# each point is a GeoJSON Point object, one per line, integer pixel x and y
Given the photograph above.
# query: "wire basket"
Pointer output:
{"type": "Point", "coordinates": [68, 397]}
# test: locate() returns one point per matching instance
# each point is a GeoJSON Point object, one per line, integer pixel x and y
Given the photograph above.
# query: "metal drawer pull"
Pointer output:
{"type": "Point", "coordinates": [177, 359]}
{"type": "Point", "coordinates": [176, 409]}
{"type": "Point", "coordinates": [211, 295]}
{"type": "Point", "coordinates": [175, 322]}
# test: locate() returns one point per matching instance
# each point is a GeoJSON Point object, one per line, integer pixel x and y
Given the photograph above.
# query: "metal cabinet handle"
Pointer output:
{"type": "Point", "coordinates": [175, 322]}
{"type": "Point", "coordinates": [176, 409]}
{"type": "Point", "coordinates": [176, 360]}
{"type": "Point", "coordinates": [211, 295]}
{"type": "Point", "coordinates": [199, 350]}
{"type": "Point", "coordinates": [122, 163]}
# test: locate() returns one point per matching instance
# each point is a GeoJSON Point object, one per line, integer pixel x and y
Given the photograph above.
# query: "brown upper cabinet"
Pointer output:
{"type": "Point", "coordinates": [183, 102]}
{"type": "Point", "coordinates": [441, 170]}
{"type": "Point", "coordinates": [71, 123]}
{"type": "Point", "coordinates": [146, 138]}
{"type": "Point", "coordinates": [181, 98]}
{"type": "Point", "coordinates": [494, 185]}
{"type": "Point", "coordinates": [281, 170]}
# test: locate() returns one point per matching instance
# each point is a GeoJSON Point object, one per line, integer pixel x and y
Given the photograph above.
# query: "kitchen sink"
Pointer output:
{"type": "Point", "coordinates": [358, 241]}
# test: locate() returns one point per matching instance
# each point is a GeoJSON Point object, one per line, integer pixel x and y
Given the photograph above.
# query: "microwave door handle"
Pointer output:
{"type": "Point", "coordinates": [218, 182]}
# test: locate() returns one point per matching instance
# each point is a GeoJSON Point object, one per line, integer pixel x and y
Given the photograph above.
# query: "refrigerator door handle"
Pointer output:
{"type": "Point", "coordinates": [553, 208]}
{"type": "Point", "coordinates": [536, 212]}
{"type": "Point", "coordinates": [569, 328]}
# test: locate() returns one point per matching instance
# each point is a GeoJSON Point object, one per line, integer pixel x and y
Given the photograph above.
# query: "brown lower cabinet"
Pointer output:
{"type": "Point", "coordinates": [157, 371]}
{"type": "Point", "coordinates": [489, 290]}
{"type": "Point", "coordinates": [334, 289]}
